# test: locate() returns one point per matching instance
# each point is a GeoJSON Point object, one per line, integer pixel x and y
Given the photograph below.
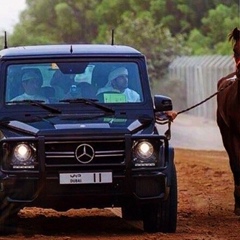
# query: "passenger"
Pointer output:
{"type": "Point", "coordinates": [31, 85]}
{"type": "Point", "coordinates": [61, 83]}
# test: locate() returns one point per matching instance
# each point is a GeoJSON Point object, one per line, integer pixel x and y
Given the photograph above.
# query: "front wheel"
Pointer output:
{"type": "Point", "coordinates": [8, 216]}
{"type": "Point", "coordinates": [162, 216]}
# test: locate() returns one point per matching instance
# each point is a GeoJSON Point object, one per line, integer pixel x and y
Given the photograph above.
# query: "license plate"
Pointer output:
{"type": "Point", "coordinates": [85, 178]}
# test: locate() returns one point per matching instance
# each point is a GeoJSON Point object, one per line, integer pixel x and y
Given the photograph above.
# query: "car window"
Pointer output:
{"type": "Point", "coordinates": [107, 82]}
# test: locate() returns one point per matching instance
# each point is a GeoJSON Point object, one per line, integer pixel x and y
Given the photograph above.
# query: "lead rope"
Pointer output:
{"type": "Point", "coordinates": [208, 98]}
{"type": "Point", "coordinates": [162, 121]}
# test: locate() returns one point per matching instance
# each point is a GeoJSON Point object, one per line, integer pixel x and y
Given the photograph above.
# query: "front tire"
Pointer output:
{"type": "Point", "coordinates": [162, 216]}
{"type": "Point", "coordinates": [8, 217]}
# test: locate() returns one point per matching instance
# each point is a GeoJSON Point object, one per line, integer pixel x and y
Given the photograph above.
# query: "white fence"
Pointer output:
{"type": "Point", "coordinates": [200, 75]}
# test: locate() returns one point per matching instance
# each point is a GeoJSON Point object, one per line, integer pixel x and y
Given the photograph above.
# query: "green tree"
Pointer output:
{"type": "Point", "coordinates": [212, 37]}
{"type": "Point", "coordinates": [56, 21]}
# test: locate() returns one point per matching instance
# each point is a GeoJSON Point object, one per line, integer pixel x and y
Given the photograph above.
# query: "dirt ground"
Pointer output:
{"type": "Point", "coordinates": [205, 209]}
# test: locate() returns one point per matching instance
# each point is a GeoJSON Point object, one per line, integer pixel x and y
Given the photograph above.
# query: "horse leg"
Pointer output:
{"type": "Point", "coordinates": [235, 167]}
{"type": "Point", "coordinates": [236, 176]}
{"type": "Point", "coordinates": [234, 159]}
{"type": "Point", "coordinates": [230, 143]}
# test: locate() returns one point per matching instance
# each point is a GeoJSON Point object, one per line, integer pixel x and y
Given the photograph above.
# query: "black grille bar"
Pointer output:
{"type": "Point", "coordinates": [105, 152]}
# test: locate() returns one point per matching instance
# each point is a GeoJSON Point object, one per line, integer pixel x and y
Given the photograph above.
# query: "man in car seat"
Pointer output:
{"type": "Point", "coordinates": [31, 85]}
{"type": "Point", "coordinates": [118, 82]}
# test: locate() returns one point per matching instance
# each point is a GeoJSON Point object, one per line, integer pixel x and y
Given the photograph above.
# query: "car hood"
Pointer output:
{"type": "Point", "coordinates": [77, 125]}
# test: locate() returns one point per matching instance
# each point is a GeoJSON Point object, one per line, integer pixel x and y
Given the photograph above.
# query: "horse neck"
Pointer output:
{"type": "Point", "coordinates": [238, 90]}
{"type": "Point", "coordinates": [236, 50]}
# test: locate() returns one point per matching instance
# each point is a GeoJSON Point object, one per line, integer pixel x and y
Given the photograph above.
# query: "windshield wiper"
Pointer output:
{"type": "Point", "coordinates": [38, 103]}
{"type": "Point", "coordinates": [88, 102]}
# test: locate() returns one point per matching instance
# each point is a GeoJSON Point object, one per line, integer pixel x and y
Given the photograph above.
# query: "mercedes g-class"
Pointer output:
{"type": "Point", "coordinates": [78, 129]}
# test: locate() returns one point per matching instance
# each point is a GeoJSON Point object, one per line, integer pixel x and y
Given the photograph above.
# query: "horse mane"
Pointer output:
{"type": "Point", "coordinates": [234, 36]}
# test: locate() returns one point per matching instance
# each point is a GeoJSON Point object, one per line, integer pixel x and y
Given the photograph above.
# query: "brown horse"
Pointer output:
{"type": "Point", "coordinates": [228, 116]}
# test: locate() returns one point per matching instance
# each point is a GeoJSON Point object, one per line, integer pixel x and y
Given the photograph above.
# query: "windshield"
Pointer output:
{"type": "Point", "coordinates": [54, 82]}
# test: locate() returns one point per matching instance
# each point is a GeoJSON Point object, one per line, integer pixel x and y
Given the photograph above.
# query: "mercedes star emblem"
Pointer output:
{"type": "Point", "coordinates": [84, 153]}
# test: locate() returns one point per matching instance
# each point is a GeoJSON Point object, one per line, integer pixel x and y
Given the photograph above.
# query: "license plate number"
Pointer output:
{"type": "Point", "coordinates": [85, 178]}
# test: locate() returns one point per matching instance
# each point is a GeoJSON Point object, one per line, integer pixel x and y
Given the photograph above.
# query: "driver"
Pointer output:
{"type": "Point", "coordinates": [118, 82]}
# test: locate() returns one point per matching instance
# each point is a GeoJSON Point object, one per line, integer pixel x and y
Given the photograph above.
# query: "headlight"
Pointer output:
{"type": "Point", "coordinates": [144, 150]}
{"type": "Point", "coordinates": [22, 152]}
{"type": "Point", "coordinates": [144, 154]}
{"type": "Point", "coordinates": [24, 156]}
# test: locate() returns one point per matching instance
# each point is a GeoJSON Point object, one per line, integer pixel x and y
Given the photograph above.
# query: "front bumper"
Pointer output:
{"type": "Point", "coordinates": [46, 193]}
{"type": "Point", "coordinates": [42, 187]}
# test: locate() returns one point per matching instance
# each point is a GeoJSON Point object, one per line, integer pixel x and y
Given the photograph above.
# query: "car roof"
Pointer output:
{"type": "Point", "coordinates": [69, 50]}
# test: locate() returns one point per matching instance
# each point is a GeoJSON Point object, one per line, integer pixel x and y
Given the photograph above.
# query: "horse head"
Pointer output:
{"type": "Point", "coordinates": [234, 36]}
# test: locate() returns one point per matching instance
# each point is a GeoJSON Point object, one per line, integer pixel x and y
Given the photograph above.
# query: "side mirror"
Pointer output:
{"type": "Point", "coordinates": [162, 103]}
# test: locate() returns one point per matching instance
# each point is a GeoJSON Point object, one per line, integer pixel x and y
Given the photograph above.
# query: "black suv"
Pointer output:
{"type": "Point", "coordinates": [78, 130]}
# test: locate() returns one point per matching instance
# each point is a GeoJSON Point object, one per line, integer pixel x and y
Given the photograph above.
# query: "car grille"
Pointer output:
{"type": "Point", "coordinates": [98, 152]}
